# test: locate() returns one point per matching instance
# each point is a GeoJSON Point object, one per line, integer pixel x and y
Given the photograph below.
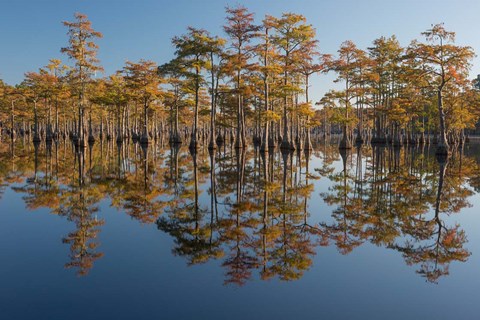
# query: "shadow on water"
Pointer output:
{"type": "Point", "coordinates": [255, 212]}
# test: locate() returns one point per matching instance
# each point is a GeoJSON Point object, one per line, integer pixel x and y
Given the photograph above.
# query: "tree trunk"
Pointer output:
{"type": "Point", "coordinates": [36, 137]}
{"type": "Point", "coordinates": [442, 146]}
{"type": "Point", "coordinates": [212, 144]}
{"type": "Point", "coordinates": [308, 142]}
{"type": "Point", "coordinates": [144, 138]}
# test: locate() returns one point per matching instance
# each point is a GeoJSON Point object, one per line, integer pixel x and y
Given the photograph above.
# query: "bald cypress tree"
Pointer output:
{"type": "Point", "coordinates": [82, 49]}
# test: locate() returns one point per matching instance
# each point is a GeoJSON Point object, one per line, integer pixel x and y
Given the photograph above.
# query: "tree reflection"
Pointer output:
{"type": "Point", "coordinates": [398, 202]}
{"type": "Point", "coordinates": [436, 244]}
{"type": "Point", "coordinates": [184, 218]}
{"type": "Point", "coordinates": [79, 204]}
{"type": "Point", "coordinates": [251, 210]}
{"type": "Point", "coordinates": [347, 230]}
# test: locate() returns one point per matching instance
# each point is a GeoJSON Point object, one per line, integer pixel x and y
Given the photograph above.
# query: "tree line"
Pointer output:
{"type": "Point", "coordinates": [251, 84]}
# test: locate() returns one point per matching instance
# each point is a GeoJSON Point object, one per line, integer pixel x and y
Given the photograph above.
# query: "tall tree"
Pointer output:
{"type": "Point", "coordinates": [36, 87]}
{"type": "Point", "coordinates": [194, 48]}
{"type": "Point", "coordinates": [307, 66]}
{"type": "Point", "coordinates": [385, 56]}
{"type": "Point", "coordinates": [293, 36]}
{"type": "Point", "coordinates": [214, 46]}
{"type": "Point", "coordinates": [83, 51]}
{"type": "Point", "coordinates": [241, 30]}
{"type": "Point", "coordinates": [442, 62]}
{"type": "Point", "coordinates": [142, 78]}
{"type": "Point", "coordinates": [59, 89]}
{"type": "Point", "coordinates": [268, 69]}
{"type": "Point", "coordinates": [347, 67]}
{"type": "Point", "coordinates": [175, 73]}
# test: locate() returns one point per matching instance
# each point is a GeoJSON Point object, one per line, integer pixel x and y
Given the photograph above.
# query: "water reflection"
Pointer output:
{"type": "Point", "coordinates": [260, 215]}
{"type": "Point", "coordinates": [399, 199]}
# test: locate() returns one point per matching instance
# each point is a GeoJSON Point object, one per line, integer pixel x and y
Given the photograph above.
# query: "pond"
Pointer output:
{"type": "Point", "coordinates": [125, 232]}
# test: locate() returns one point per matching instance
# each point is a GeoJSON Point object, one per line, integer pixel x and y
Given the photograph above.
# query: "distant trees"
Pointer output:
{"type": "Point", "coordinates": [256, 83]}
{"type": "Point", "coordinates": [40, 87]}
{"type": "Point", "coordinates": [280, 54]}
{"type": "Point", "coordinates": [117, 96]}
{"type": "Point", "coordinates": [403, 91]}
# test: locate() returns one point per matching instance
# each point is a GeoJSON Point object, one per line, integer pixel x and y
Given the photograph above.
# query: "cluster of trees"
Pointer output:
{"type": "Point", "coordinates": [254, 79]}
{"type": "Point", "coordinates": [393, 93]}
{"type": "Point", "coordinates": [251, 83]}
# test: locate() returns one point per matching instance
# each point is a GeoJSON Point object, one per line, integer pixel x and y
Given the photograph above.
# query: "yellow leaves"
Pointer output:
{"type": "Point", "coordinates": [287, 90]}
{"type": "Point", "coordinates": [397, 112]}
{"type": "Point", "coordinates": [270, 115]}
{"type": "Point", "coordinates": [291, 31]}
{"type": "Point", "coordinates": [82, 48]}
{"type": "Point", "coordinates": [143, 80]}
{"type": "Point", "coordinates": [305, 110]}
{"type": "Point", "coordinates": [272, 186]}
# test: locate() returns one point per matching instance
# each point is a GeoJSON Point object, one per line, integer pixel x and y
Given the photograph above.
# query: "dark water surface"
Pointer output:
{"type": "Point", "coordinates": [125, 233]}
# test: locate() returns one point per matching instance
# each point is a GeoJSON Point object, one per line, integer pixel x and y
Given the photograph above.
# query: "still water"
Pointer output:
{"type": "Point", "coordinates": [121, 232]}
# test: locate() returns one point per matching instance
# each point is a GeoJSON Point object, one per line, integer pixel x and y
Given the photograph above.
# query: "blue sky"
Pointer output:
{"type": "Point", "coordinates": [31, 31]}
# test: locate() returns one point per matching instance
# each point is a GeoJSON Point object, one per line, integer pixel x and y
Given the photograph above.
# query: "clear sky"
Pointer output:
{"type": "Point", "coordinates": [31, 32]}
